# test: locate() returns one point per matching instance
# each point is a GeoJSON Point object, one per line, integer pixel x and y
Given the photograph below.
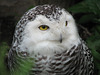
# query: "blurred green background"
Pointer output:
{"type": "Point", "coordinates": [85, 12]}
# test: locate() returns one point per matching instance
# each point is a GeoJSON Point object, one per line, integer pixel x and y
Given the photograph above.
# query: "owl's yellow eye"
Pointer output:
{"type": "Point", "coordinates": [43, 27]}
{"type": "Point", "coordinates": [66, 23]}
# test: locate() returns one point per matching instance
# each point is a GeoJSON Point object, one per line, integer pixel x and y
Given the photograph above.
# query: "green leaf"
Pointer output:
{"type": "Point", "coordinates": [3, 51]}
{"type": "Point", "coordinates": [23, 68]}
{"type": "Point", "coordinates": [23, 65]}
{"type": "Point", "coordinates": [94, 44]}
{"type": "Point", "coordinates": [87, 6]}
{"type": "Point", "coordinates": [94, 6]}
{"type": "Point", "coordinates": [87, 18]}
{"type": "Point", "coordinates": [79, 8]}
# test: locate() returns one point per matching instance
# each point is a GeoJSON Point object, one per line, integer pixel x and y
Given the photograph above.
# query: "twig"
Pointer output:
{"type": "Point", "coordinates": [85, 29]}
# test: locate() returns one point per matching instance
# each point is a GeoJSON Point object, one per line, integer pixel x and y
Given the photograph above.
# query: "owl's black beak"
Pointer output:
{"type": "Point", "coordinates": [60, 38]}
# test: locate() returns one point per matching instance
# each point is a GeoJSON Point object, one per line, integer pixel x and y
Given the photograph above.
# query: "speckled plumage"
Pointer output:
{"type": "Point", "coordinates": [70, 56]}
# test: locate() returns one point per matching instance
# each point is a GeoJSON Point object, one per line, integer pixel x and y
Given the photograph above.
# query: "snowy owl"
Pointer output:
{"type": "Point", "coordinates": [48, 34]}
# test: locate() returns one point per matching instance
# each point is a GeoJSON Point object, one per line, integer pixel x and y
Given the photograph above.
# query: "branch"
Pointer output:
{"type": "Point", "coordinates": [85, 29]}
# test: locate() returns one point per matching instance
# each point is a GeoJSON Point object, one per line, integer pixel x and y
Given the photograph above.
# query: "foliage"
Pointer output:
{"type": "Point", "coordinates": [3, 50]}
{"type": "Point", "coordinates": [90, 15]}
{"type": "Point", "coordinates": [90, 10]}
{"type": "Point", "coordinates": [22, 69]}
{"type": "Point", "coordinates": [94, 44]}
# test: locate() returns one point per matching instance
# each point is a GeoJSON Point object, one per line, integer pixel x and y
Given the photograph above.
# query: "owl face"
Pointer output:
{"type": "Point", "coordinates": [48, 35]}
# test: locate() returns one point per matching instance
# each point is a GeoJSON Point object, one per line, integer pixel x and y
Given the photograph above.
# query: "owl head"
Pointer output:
{"type": "Point", "coordinates": [46, 29]}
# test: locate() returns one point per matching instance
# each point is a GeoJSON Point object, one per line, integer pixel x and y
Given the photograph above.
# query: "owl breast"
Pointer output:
{"type": "Point", "coordinates": [75, 61]}
{"type": "Point", "coordinates": [68, 62]}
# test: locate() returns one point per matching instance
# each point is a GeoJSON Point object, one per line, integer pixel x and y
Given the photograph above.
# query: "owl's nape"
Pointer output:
{"type": "Point", "coordinates": [47, 34]}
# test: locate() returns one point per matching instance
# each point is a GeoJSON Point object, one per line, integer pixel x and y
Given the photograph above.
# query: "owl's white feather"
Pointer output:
{"type": "Point", "coordinates": [47, 42]}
